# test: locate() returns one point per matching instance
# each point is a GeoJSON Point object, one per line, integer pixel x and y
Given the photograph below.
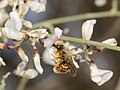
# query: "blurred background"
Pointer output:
{"type": "Point", "coordinates": [108, 59]}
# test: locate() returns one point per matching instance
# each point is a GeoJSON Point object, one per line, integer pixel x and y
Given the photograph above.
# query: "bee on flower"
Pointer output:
{"type": "Point", "coordinates": [61, 56]}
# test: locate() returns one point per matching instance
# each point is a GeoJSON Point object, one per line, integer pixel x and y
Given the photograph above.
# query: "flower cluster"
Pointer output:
{"type": "Point", "coordinates": [64, 56]}
{"type": "Point", "coordinates": [13, 30]}
{"type": "Point", "coordinates": [97, 75]}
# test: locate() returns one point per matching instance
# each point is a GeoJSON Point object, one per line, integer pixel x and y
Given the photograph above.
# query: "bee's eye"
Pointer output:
{"type": "Point", "coordinates": [59, 47]}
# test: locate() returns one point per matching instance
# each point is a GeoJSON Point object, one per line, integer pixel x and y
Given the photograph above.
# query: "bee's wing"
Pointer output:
{"type": "Point", "coordinates": [73, 70]}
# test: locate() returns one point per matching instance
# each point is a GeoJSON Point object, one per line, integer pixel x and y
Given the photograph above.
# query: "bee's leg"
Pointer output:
{"type": "Point", "coordinates": [56, 59]}
{"type": "Point", "coordinates": [59, 70]}
{"type": "Point", "coordinates": [73, 71]}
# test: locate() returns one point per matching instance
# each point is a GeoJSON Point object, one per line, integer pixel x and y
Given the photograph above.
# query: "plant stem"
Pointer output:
{"type": "Point", "coordinates": [23, 83]}
{"type": "Point", "coordinates": [78, 17]}
{"type": "Point", "coordinates": [88, 42]}
{"type": "Point", "coordinates": [114, 6]}
{"type": "Point", "coordinates": [111, 13]}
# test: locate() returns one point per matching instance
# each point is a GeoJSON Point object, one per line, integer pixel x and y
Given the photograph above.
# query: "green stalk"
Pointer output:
{"type": "Point", "coordinates": [88, 42]}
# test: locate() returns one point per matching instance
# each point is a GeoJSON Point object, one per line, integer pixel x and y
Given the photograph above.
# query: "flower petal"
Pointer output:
{"type": "Point", "coordinates": [76, 50]}
{"type": "Point", "coordinates": [22, 9]}
{"type": "Point", "coordinates": [50, 41]}
{"type": "Point", "coordinates": [38, 33]}
{"type": "Point", "coordinates": [100, 76]}
{"type": "Point", "coordinates": [31, 73]}
{"type": "Point", "coordinates": [3, 3]}
{"type": "Point", "coordinates": [2, 62]}
{"type": "Point", "coordinates": [75, 63]}
{"type": "Point", "coordinates": [87, 29]}
{"type": "Point", "coordinates": [57, 34]}
{"type": "Point", "coordinates": [111, 41]}
{"type": "Point", "coordinates": [22, 54]}
{"type": "Point", "coordinates": [16, 20]}
{"type": "Point", "coordinates": [21, 67]}
{"type": "Point", "coordinates": [41, 8]}
{"type": "Point", "coordinates": [37, 6]}
{"type": "Point", "coordinates": [27, 23]}
{"type": "Point", "coordinates": [47, 56]}
{"type": "Point", "coordinates": [12, 2]}
{"type": "Point", "coordinates": [34, 5]}
{"type": "Point", "coordinates": [37, 62]}
{"type": "Point", "coordinates": [10, 30]}
{"type": "Point", "coordinates": [100, 3]}
{"type": "Point", "coordinates": [106, 75]}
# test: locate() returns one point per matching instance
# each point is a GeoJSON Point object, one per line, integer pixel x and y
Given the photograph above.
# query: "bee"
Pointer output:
{"type": "Point", "coordinates": [63, 59]}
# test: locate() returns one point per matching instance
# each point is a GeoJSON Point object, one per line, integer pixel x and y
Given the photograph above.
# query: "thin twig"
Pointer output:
{"type": "Point", "coordinates": [88, 42]}
{"type": "Point", "coordinates": [114, 6]}
{"type": "Point", "coordinates": [78, 17]}
{"type": "Point", "coordinates": [22, 83]}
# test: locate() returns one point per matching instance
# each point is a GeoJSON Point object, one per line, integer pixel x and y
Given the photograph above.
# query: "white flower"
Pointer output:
{"type": "Point", "coordinates": [13, 26]}
{"type": "Point", "coordinates": [47, 56]}
{"type": "Point", "coordinates": [12, 2]}
{"type": "Point", "coordinates": [100, 3]}
{"type": "Point", "coordinates": [76, 50]}
{"type": "Point", "coordinates": [27, 23]}
{"type": "Point", "coordinates": [37, 6]}
{"type": "Point", "coordinates": [16, 20]}
{"type": "Point", "coordinates": [111, 41]}
{"type": "Point", "coordinates": [100, 76]}
{"type": "Point", "coordinates": [38, 33]}
{"type": "Point", "coordinates": [22, 54]}
{"type": "Point", "coordinates": [50, 41]}
{"type": "Point", "coordinates": [21, 67]}
{"type": "Point", "coordinates": [87, 29]}
{"type": "Point", "coordinates": [2, 62]}
{"type": "Point", "coordinates": [3, 3]}
{"type": "Point", "coordinates": [22, 8]}
{"type": "Point", "coordinates": [37, 61]}
{"type": "Point", "coordinates": [29, 73]}
{"type": "Point", "coordinates": [3, 16]}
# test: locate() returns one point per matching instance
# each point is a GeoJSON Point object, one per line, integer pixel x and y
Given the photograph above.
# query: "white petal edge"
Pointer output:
{"type": "Point", "coordinates": [21, 67]}
{"type": "Point", "coordinates": [75, 63]}
{"type": "Point", "coordinates": [100, 76]}
{"type": "Point", "coordinates": [37, 63]}
{"type": "Point", "coordinates": [111, 41]}
{"type": "Point", "coordinates": [31, 73]}
{"type": "Point", "coordinates": [2, 62]}
{"type": "Point", "coordinates": [87, 29]}
{"type": "Point", "coordinates": [58, 33]}
{"type": "Point", "coordinates": [16, 19]}
{"type": "Point", "coordinates": [100, 3]}
{"type": "Point", "coordinates": [50, 41]}
{"type": "Point", "coordinates": [10, 30]}
{"type": "Point", "coordinates": [47, 56]}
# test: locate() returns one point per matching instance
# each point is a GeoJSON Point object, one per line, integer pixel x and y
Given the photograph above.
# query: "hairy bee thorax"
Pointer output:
{"type": "Point", "coordinates": [63, 59]}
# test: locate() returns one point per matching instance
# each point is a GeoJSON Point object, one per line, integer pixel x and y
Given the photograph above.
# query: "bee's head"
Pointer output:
{"type": "Point", "coordinates": [58, 45]}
